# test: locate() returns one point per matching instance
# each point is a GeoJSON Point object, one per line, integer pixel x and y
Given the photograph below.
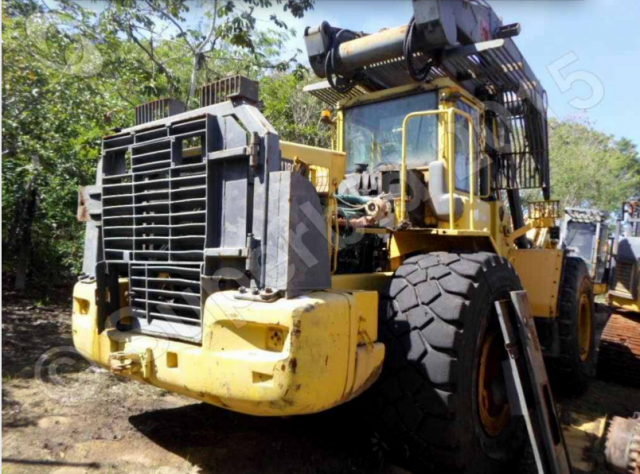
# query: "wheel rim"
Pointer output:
{"type": "Point", "coordinates": [584, 328]}
{"type": "Point", "coordinates": [493, 405]}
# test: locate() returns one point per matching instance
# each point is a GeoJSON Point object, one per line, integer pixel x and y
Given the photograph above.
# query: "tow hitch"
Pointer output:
{"type": "Point", "coordinates": [130, 362]}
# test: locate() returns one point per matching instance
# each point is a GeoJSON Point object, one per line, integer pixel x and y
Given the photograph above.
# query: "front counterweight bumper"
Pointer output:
{"type": "Point", "coordinates": [287, 357]}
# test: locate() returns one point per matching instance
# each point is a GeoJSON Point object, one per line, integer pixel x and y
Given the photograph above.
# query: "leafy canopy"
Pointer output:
{"type": "Point", "coordinates": [591, 169]}
{"type": "Point", "coordinates": [74, 72]}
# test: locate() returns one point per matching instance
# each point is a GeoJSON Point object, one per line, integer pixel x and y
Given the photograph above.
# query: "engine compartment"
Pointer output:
{"type": "Point", "coordinates": [366, 216]}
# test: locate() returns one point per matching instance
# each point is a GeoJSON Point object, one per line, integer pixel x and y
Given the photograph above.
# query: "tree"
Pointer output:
{"type": "Point", "coordinates": [591, 169]}
{"type": "Point", "coordinates": [50, 136]}
{"type": "Point", "coordinates": [72, 74]}
{"type": "Point", "coordinates": [294, 113]}
{"type": "Point", "coordinates": [227, 35]}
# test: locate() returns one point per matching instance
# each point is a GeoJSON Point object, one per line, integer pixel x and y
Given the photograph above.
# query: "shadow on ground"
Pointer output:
{"type": "Point", "coordinates": [86, 421]}
{"type": "Point", "coordinates": [219, 441]}
{"type": "Point", "coordinates": [31, 328]}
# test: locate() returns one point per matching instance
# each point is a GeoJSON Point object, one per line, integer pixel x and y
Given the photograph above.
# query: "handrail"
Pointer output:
{"type": "Point", "coordinates": [451, 132]}
{"type": "Point", "coordinates": [403, 166]}
{"type": "Point", "coordinates": [473, 177]}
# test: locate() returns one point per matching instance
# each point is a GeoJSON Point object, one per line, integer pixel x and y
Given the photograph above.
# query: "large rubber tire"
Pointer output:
{"type": "Point", "coordinates": [433, 320]}
{"type": "Point", "coordinates": [571, 373]}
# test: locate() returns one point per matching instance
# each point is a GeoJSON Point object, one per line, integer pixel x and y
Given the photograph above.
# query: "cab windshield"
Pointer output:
{"type": "Point", "coordinates": [373, 132]}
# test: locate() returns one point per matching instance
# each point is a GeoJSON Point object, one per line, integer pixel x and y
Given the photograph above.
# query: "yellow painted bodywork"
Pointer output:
{"type": "Point", "coordinates": [625, 304]}
{"type": "Point", "coordinates": [288, 357]}
{"type": "Point", "coordinates": [410, 242]}
{"type": "Point", "coordinates": [540, 271]}
{"type": "Point", "coordinates": [361, 281]}
{"type": "Point", "coordinates": [310, 353]}
{"type": "Point", "coordinates": [499, 227]}
{"type": "Point", "coordinates": [600, 288]}
{"type": "Point", "coordinates": [327, 166]}
{"type": "Point", "coordinates": [476, 215]}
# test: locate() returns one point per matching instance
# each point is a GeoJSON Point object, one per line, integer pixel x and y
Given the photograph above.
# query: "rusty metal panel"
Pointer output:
{"type": "Point", "coordinates": [622, 450]}
{"type": "Point", "coordinates": [620, 350]}
{"type": "Point", "coordinates": [89, 204]}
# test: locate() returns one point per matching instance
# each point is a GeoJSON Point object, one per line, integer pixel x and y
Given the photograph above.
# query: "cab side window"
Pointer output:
{"type": "Point", "coordinates": [462, 165]}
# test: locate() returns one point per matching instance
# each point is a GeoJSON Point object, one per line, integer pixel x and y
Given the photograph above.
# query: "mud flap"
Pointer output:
{"type": "Point", "coordinates": [527, 373]}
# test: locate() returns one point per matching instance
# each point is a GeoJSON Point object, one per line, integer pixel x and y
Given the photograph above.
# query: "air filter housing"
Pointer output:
{"type": "Point", "coordinates": [234, 87]}
{"type": "Point", "coordinates": [158, 109]}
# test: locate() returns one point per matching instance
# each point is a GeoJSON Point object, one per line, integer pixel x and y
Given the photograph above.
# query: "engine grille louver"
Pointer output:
{"type": "Point", "coordinates": [624, 278]}
{"type": "Point", "coordinates": [154, 217]}
{"type": "Point", "coordinates": [234, 87]}
{"type": "Point", "coordinates": [158, 109]}
{"type": "Point", "coordinates": [169, 293]}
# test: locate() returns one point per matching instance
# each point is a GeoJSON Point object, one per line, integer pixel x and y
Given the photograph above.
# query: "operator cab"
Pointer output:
{"type": "Point", "coordinates": [373, 133]}
{"type": "Point", "coordinates": [378, 128]}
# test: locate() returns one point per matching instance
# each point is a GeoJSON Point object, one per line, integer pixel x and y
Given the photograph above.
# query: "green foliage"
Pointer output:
{"type": "Point", "coordinates": [591, 169]}
{"type": "Point", "coordinates": [52, 124]}
{"type": "Point", "coordinates": [292, 112]}
{"type": "Point", "coordinates": [73, 74]}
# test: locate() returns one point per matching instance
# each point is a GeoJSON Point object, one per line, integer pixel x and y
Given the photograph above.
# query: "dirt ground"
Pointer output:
{"type": "Point", "coordinates": [63, 416]}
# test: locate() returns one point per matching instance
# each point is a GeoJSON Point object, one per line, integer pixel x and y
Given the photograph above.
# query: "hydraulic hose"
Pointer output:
{"type": "Point", "coordinates": [340, 84]}
{"type": "Point", "coordinates": [421, 74]}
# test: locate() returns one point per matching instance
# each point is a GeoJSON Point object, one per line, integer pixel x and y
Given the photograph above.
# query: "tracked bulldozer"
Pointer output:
{"type": "Point", "coordinates": [275, 279]}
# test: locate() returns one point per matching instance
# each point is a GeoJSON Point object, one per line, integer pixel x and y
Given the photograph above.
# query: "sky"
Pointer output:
{"type": "Point", "coordinates": [586, 53]}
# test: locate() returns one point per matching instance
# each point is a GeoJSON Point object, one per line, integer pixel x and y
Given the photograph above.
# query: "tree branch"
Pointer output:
{"type": "Point", "coordinates": [162, 14]}
{"type": "Point", "coordinates": [254, 62]}
{"type": "Point", "coordinates": [161, 67]}
{"type": "Point", "coordinates": [198, 52]}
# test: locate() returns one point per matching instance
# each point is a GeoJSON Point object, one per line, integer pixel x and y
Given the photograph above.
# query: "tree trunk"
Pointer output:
{"type": "Point", "coordinates": [194, 78]}
{"type": "Point", "coordinates": [27, 212]}
{"type": "Point", "coordinates": [22, 267]}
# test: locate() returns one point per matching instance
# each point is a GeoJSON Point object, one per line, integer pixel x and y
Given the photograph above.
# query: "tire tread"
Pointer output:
{"type": "Point", "coordinates": [433, 311]}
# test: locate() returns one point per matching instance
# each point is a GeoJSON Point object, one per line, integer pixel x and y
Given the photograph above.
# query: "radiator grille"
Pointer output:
{"type": "Point", "coordinates": [154, 208]}
{"type": "Point", "coordinates": [624, 277]}
{"type": "Point", "coordinates": [168, 293]}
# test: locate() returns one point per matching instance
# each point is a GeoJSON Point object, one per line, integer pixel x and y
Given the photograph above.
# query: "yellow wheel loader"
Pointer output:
{"type": "Point", "coordinates": [584, 233]}
{"type": "Point", "coordinates": [613, 263]}
{"type": "Point", "coordinates": [275, 279]}
{"type": "Point", "coordinates": [624, 290]}
{"type": "Point", "coordinates": [620, 354]}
